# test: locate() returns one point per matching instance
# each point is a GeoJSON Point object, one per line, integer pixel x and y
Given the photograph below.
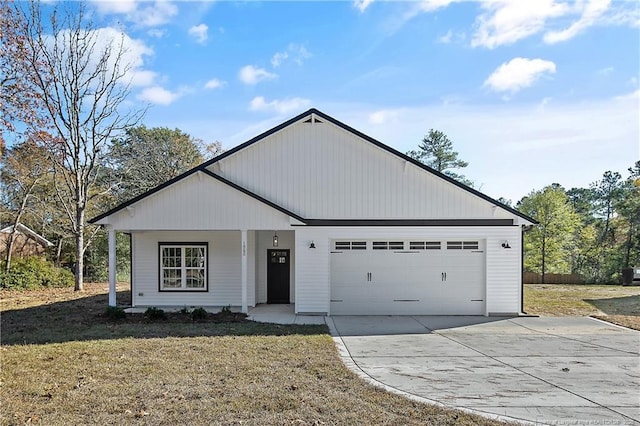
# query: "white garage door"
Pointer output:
{"type": "Point", "coordinates": [413, 277]}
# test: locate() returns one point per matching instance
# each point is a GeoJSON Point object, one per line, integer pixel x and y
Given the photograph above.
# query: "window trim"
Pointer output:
{"type": "Point", "coordinates": [182, 245]}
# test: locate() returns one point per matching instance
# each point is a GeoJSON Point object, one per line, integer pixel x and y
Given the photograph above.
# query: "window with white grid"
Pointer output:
{"type": "Point", "coordinates": [183, 267]}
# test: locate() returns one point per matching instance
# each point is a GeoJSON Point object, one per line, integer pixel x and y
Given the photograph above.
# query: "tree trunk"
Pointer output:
{"type": "Point", "coordinates": [544, 258]}
{"type": "Point", "coordinates": [12, 237]}
{"type": "Point", "coordinates": [58, 252]}
{"type": "Point", "coordinates": [79, 249]}
{"type": "Point", "coordinates": [627, 251]}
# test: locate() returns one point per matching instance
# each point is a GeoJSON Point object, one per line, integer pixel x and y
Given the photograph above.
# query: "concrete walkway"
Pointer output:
{"type": "Point", "coordinates": [538, 370]}
{"type": "Point", "coordinates": [282, 314]}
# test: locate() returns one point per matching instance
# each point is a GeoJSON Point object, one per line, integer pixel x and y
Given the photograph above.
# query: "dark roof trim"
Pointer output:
{"type": "Point", "coordinates": [254, 195]}
{"type": "Point", "coordinates": [202, 167]}
{"type": "Point", "coordinates": [144, 195]}
{"type": "Point", "coordinates": [409, 222]}
{"type": "Point", "coordinates": [261, 136]}
{"type": "Point", "coordinates": [376, 143]}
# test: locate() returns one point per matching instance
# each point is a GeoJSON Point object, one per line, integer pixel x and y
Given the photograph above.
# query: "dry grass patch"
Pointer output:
{"type": "Point", "coordinates": [173, 372]}
{"type": "Point", "coordinates": [613, 303]}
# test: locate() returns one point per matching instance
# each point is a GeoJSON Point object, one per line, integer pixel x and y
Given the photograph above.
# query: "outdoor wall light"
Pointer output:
{"type": "Point", "coordinates": [506, 245]}
{"type": "Point", "coordinates": [312, 245]}
{"type": "Point", "coordinates": [275, 239]}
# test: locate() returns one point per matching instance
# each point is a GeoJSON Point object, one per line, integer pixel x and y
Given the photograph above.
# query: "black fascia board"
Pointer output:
{"type": "Point", "coordinates": [254, 195]}
{"type": "Point", "coordinates": [409, 222]}
{"type": "Point", "coordinates": [144, 195]}
{"type": "Point", "coordinates": [291, 121]}
{"type": "Point", "coordinates": [417, 163]}
{"type": "Point", "coordinates": [203, 166]}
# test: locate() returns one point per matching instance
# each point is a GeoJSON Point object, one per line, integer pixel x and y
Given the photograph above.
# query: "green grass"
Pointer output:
{"type": "Point", "coordinates": [614, 303]}
{"type": "Point", "coordinates": [64, 362]}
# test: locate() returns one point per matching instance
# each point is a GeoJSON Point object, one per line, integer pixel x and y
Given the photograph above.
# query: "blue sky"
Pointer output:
{"type": "Point", "coordinates": [530, 92]}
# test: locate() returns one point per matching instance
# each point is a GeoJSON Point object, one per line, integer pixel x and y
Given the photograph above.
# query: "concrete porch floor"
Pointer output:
{"type": "Point", "coordinates": [282, 314]}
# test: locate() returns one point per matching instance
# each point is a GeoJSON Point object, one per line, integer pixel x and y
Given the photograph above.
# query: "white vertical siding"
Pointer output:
{"type": "Point", "coordinates": [503, 269]}
{"type": "Point", "coordinates": [313, 279]}
{"type": "Point", "coordinates": [224, 274]}
{"type": "Point", "coordinates": [322, 171]}
{"type": "Point", "coordinates": [504, 272]}
{"type": "Point", "coordinates": [198, 202]}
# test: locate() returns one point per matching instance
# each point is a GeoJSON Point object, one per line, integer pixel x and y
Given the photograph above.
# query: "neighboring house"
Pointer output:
{"type": "Point", "coordinates": [26, 242]}
{"type": "Point", "coordinates": [315, 213]}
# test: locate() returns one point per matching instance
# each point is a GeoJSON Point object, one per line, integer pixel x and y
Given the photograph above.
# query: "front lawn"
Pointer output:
{"type": "Point", "coordinates": [613, 303]}
{"type": "Point", "coordinates": [64, 363]}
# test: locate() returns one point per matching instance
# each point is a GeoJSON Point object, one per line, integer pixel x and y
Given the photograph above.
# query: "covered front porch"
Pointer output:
{"type": "Point", "coordinates": [236, 268]}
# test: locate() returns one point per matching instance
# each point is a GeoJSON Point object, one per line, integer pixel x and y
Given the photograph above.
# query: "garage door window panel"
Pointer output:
{"type": "Point", "coordinates": [462, 245]}
{"type": "Point", "coordinates": [425, 245]}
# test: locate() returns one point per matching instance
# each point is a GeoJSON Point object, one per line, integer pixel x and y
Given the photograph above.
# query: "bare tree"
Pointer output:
{"type": "Point", "coordinates": [80, 74]}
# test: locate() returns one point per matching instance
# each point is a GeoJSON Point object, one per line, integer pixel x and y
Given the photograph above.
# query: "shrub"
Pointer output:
{"type": "Point", "coordinates": [184, 311]}
{"type": "Point", "coordinates": [199, 314]}
{"type": "Point", "coordinates": [226, 310]}
{"type": "Point", "coordinates": [115, 313]}
{"type": "Point", "coordinates": [154, 313]}
{"type": "Point", "coordinates": [34, 272]}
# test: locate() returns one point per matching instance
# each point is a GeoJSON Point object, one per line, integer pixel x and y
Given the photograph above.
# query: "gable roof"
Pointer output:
{"type": "Point", "coordinates": [29, 232]}
{"type": "Point", "coordinates": [307, 114]}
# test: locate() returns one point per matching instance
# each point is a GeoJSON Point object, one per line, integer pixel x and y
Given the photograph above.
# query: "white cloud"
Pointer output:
{"type": "Point", "coordinates": [297, 53]}
{"type": "Point", "coordinates": [518, 73]}
{"type": "Point", "coordinates": [132, 58]}
{"type": "Point", "coordinates": [362, 5]}
{"type": "Point", "coordinates": [115, 6]}
{"type": "Point", "coordinates": [414, 8]}
{"type": "Point", "coordinates": [156, 32]}
{"type": "Point", "coordinates": [214, 83]}
{"type": "Point", "coordinates": [281, 107]}
{"type": "Point", "coordinates": [159, 13]}
{"type": "Point", "coordinates": [593, 10]}
{"type": "Point", "coordinates": [251, 75]}
{"type": "Point", "coordinates": [383, 117]}
{"type": "Point", "coordinates": [159, 96]}
{"type": "Point", "coordinates": [605, 71]}
{"type": "Point", "coordinates": [446, 38]}
{"type": "Point", "coordinates": [278, 58]}
{"type": "Point", "coordinates": [200, 33]}
{"type": "Point", "coordinates": [153, 14]}
{"type": "Point", "coordinates": [143, 78]}
{"type": "Point", "coordinates": [505, 21]}
{"type": "Point", "coordinates": [431, 5]}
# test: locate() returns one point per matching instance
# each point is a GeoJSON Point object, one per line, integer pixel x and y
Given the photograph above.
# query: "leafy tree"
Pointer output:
{"type": "Point", "coordinates": [547, 245]}
{"type": "Point", "coordinates": [24, 168]}
{"type": "Point", "coordinates": [80, 76]}
{"type": "Point", "coordinates": [147, 157]}
{"type": "Point", "coordinates": [20, 101]}
{"type": "Point", "coordinates": [607, 195]}
{"type": "Point", "coordinates": [436, 151]}
{"type": "Point", "coordinates": [629, 208]}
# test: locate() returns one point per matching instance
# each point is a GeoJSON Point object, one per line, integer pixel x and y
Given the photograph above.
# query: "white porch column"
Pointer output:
{"type": "Point", "coordinates": [243, 237]}
{"type": "Point", "coordinates": [112, 266]}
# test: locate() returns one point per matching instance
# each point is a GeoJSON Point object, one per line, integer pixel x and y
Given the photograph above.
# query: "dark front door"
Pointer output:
{"type": "Point", "coordinates": [277, 276]}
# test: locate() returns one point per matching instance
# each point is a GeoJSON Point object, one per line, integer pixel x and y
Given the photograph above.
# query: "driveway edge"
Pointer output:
{"type": "Point", "coordinates": [353, 366]}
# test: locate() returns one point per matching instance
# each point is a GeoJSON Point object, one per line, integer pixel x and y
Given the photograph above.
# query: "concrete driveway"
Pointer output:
{"type": "Point", "coordinates": [542, 370]}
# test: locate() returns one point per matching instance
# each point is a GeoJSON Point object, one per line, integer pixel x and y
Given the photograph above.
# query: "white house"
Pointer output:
{"type": "Point", "coordinates": [317, 214]}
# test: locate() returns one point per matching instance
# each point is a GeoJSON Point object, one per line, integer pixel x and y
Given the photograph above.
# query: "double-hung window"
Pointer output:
{"type": "Point", "coordinates": [183, 267]}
